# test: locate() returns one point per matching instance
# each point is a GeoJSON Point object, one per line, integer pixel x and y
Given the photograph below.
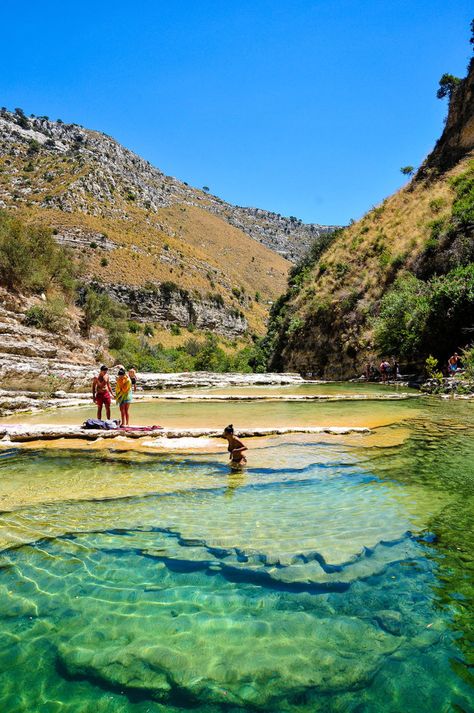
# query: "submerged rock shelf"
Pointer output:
{"type": "Point", "coordinates": [18, 434]}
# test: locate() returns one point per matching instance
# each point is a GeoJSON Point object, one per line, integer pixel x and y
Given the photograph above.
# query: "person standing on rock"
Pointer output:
{"type": "Point", "coordinates": [102, 393]}
{"type": "Point", "coordinates": [133, 377]}
{"type": "Point", "coordinates": [123, 395]}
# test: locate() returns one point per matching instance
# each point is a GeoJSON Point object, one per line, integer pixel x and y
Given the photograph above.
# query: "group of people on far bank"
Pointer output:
{"type": "Point", "coordinates": [385, 371]}
{"type": "Point", "coordinates": [102, 392]}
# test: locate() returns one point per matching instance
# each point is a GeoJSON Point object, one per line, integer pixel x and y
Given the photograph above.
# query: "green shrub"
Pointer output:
{"type": "Point", "coordinates": [217, 298]}
{"type": "Point", "coordinates": [341, 268]}
{"type": "Point", "coordinates": [31, 260]}
{"type": "Point", "coordinates": [211, 357]}
{"type": "Point", "coordinates": [98, 308]}
{"type": "Point", "coordinates": [436, 204]}
{"type": "Point", "coordinates": [432, 368]}
{"type": "Point", "coordinates": [468, 361]}
{"type": "Point", "coordinates": [419, 318]}
{"type": "Point", "coordinates": [175, 329]}
{"type": "Point", "coordinates": [167, 288]}
{"type": "Point", "coordinates": [295, 325]}
{"type": "Point", "coordinates": [50, 315]}
{"type": "Point", "coordinates": [404, 313]}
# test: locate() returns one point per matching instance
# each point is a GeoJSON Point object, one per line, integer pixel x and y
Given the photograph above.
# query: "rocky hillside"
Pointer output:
{"type": "Point", "coordinates": [134, 226]}
{"type": "Point", "coordinates": [406, 267]}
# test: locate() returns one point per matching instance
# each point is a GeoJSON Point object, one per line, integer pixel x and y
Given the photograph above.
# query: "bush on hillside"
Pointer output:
{"type": "Point", "coordinates": [418, 318]}
{"type": "Point", "coordinates": [31, 260]}
{"type": "Point", "coordinates": [100, 309]}
{"type": "Point", "coordinates": [50, 315]}
{"type": "Point", "coordinates": [404, 312]}
{"type": "Point", "coordinates": [211, 357]}
{"type": "Point", "coordinates": [468, 361]}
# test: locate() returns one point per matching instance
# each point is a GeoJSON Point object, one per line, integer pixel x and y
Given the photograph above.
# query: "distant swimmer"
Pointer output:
{"type": "Point", "coordinates": [236, 448]}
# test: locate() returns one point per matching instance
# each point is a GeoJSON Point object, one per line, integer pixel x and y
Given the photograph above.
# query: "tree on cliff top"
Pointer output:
{"type": "Point", "coordinates": [447, 85]}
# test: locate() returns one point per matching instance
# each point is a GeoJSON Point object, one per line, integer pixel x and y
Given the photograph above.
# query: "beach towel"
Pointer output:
{"type": "Point", "coordinates": [99, 424]}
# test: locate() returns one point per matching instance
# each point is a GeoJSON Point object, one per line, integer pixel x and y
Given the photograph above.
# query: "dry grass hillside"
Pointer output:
{"type": "Point", "coordinates": [198, 251]}
{"type": "Point", "coordinates": [99, 207]}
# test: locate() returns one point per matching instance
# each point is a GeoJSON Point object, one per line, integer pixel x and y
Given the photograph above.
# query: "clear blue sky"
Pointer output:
{"type": "Point", "coordinates": [304, 107]}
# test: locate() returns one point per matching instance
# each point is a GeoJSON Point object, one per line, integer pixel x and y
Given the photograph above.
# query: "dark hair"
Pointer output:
{"type": "Point", "coordinates": [121, 372]}
{"type": "Point", "coordinates": [229, 429]}
{"type": "Point", "coordinates": [104, 368]}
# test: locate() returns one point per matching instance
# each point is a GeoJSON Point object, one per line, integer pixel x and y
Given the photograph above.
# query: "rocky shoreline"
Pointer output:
{"type": "Point", "coordinates": [23, 434]}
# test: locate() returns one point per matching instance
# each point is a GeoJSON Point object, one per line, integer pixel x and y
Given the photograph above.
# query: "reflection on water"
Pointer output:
{"type": "Point", "coordinates": [329, 574]}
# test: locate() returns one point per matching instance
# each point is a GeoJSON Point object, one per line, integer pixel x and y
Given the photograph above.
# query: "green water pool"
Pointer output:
{"type": "Point", "coordinates": [330, 574]}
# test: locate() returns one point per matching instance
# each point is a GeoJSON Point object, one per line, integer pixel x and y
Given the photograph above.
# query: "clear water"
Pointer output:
{"type": "Point", "coordinates": [329, 575]}
{"type": "Point", "coordinates": [368, 410]}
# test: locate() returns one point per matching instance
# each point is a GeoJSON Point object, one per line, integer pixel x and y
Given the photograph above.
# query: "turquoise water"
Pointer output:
{"type": "Point", "coordinates": [329, 575]}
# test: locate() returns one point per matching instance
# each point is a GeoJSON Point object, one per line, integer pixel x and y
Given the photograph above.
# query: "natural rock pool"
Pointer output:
{"type": "Point", "coordinates": [333, 573]}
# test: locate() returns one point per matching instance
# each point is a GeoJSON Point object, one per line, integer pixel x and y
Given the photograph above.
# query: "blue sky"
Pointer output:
{"type": "Point", "coordinates": [307, 108]}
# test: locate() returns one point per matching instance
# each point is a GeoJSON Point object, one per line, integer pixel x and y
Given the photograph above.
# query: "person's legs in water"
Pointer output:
{"type": "Point", "coordinates": [126, 408]}
{"type": "Point", "coordinates": [122, 415]}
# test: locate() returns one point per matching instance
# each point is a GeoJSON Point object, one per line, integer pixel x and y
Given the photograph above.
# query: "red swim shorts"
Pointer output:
{"type": "Point", "coordinates": [103, 399]}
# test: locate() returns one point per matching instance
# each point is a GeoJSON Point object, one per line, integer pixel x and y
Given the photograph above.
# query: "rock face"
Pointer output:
{"type": "Point", "coordinates": [457, 139]}
{"type": "Point", "coordinates": [38, 360]}
{"type": "Point", "coordinates": [106, 169]}
{"type": "Point", "coordinates": [177, 306]}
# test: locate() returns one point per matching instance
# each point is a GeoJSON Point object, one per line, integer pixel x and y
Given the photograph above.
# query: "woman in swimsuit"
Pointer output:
{"type": "Point", "coordinates": [123, 395]}
{"type": "Point", "coordinates": [235, 447]}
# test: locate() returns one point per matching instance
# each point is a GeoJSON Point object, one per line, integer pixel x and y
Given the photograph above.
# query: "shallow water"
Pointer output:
{"type": "Point", "coordinates": [331, 574]}
{"type": "Point", "coordinates": [190, 414]}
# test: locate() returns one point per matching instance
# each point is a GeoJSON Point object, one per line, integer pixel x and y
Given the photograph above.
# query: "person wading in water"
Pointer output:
{"type": "Point", "coordinates": [102, 392]}
{"type": "Point", "coordinates": [235, 447]}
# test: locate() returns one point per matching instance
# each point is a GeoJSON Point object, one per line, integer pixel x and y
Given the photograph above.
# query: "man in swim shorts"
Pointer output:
{"type": "Point", "coordinates": [102, 392]}
{"type": "Point", "coordinates": [454, 363]}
